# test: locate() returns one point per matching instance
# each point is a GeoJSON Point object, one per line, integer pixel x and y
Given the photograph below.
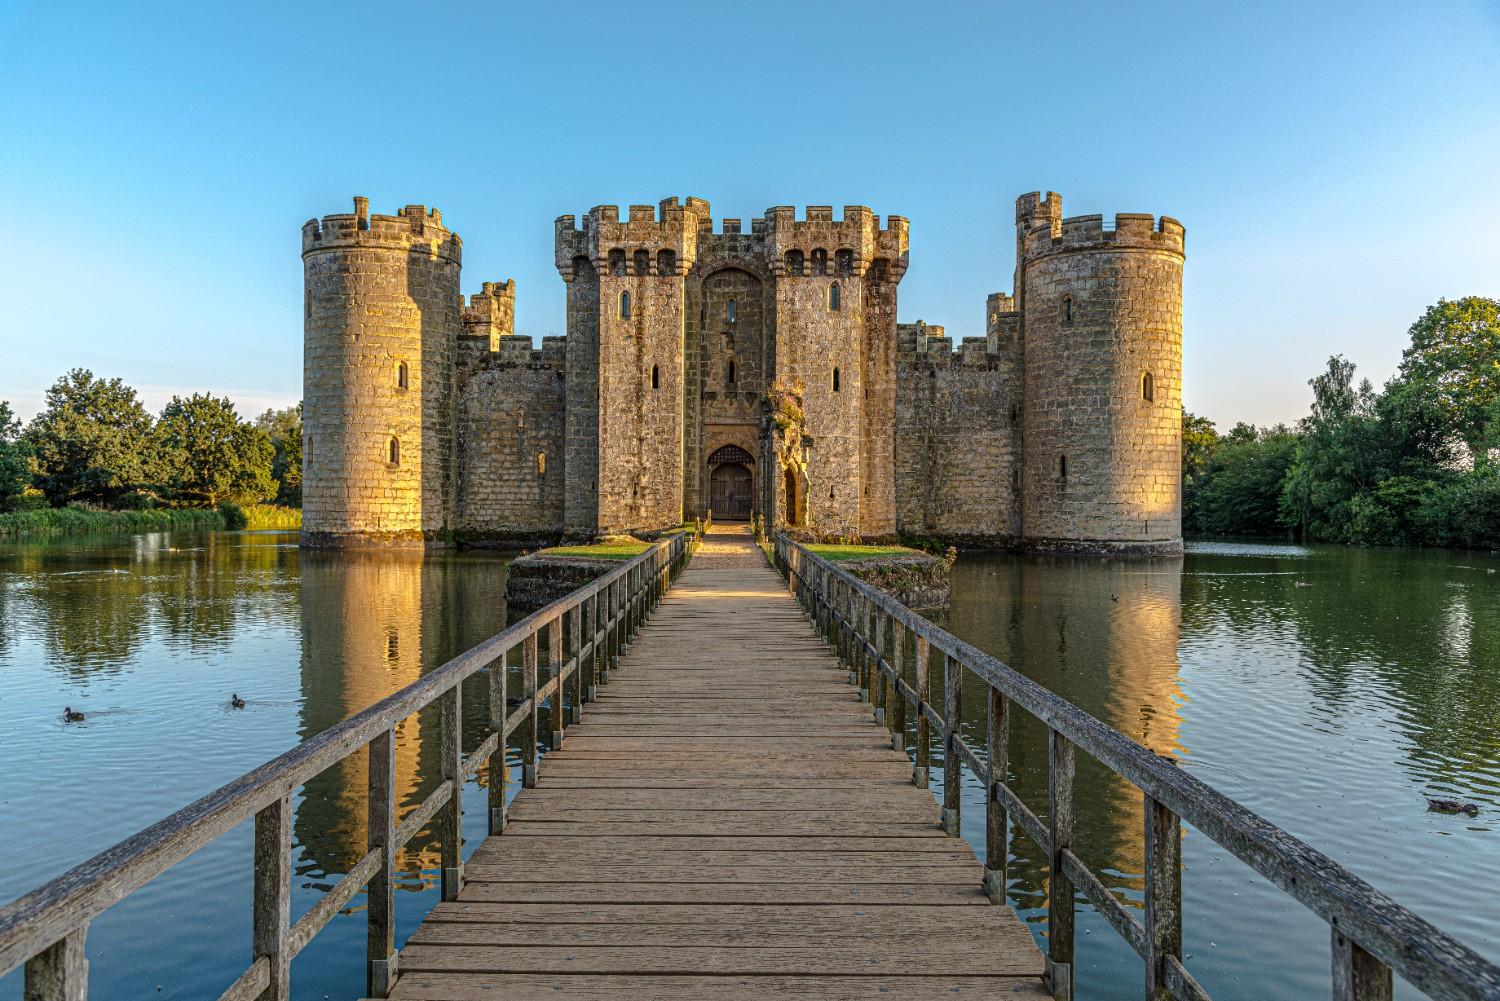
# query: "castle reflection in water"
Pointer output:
{"type": "Point", "coordinates": [372, 623]}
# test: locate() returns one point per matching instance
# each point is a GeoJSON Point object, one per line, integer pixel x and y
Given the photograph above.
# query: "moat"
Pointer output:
{"type": "Point", "coordinates": [1330, 689]}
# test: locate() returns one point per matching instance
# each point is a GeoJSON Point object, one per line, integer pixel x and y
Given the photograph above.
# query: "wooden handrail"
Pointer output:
{"type": "Point", "coordinates": [1372, 934]}
{"type": "Point", "coordinates": [45, 929]}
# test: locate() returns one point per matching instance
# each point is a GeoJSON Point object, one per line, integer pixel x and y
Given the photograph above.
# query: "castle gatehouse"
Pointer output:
{"type": "Point", "coordinates": [758, 372]}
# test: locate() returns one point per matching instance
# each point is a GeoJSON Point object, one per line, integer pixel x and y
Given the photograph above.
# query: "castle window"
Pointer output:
{"type": "Point", "coordinates": [617, 262]}
{"type": "Point", "coordinates": [1062, 467]}
{"type": "Point", "coordinates": [1148, 388]}
{"type": "Point", "coordinates": [666, 262]}
{"type": "Point", "coordinates": [820, 261]}
{"type": "Point", "coordinates": [794, 262]}
{"type": "Point", "coordinates": [655, 377]}
{"type": "Point", "coordinates": [844, 262]}
{"type": "Point", "coordinates": [624, 305]}
{"type": "Point", "coordinates": [401, 376]}
{"type": "Point", "coordinates": [393, 452]}
{"type": "Point", "coordinates": [835, 380]}
{"type": "Point", "coordinates": [731, 310]}
{"type": "Point", "coordinates": [643, 262]}
{"type": "Point", "coordinates": [1067, 309]}
{"type": "Point", "coordinates": [541, 463]}
{"type": "Point", "coordinates": [729, 373]}
{"type": "Point", "coordinates": [1015, 414]}
{"type": "Point", "coordinates": [833, 297]}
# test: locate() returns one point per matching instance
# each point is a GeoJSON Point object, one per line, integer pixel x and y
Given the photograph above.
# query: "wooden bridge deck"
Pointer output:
{"type": "Point", "coordinates": [727, 821]}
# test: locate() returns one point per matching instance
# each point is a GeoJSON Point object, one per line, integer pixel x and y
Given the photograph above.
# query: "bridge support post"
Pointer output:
{"type": "Point", "coordinates": [1059, 886]}
{"type": "Point", "coordinates": [995, 847]}
{"type": "Point", "coordinates": [1357, 975]}
{"type": "Point", "coordinates": [897, 718]}
{"type": "Point", "coordinates": [1163, 896]}
{"type": "Point", "coordinates": [557, 718]}
{"type": "Point", "coordinates": [380, 912]}
{"type": "Point", "coordinates": [450, 818]}
{"type": "Point", "coordinates": [953, 683]}
{"type": "Point", "coordinates": [529, 728]}
{"type": "Point", "coordinates": [499, 770]}
{"type": "Point", "coordinates": [273, 895]}
{"type": "Point", "coordinates": [924, 697]}
{"type": "Point", "coordinates": [60, 972]}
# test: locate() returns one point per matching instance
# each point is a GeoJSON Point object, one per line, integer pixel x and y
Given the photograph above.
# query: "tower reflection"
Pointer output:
{"type": "Point", "coordinates": [372, 623]}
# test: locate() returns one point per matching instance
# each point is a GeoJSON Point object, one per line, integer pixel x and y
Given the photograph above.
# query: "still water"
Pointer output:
{"type": "Point", "coordinates": [1330, 689]}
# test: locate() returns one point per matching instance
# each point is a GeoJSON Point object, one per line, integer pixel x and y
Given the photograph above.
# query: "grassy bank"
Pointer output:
{"type": "Point", "coordinates": [271, 516]}
{"type": "Point", "coordinates": [841, 553]}
{"type": "Point", "coordinates": [76, 521]}
{"type": "Point", "coordinates": [601, 551]}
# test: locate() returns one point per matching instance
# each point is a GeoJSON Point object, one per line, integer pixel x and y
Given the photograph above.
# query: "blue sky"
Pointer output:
{"type": "Point", "coordinates": [1337, 166]}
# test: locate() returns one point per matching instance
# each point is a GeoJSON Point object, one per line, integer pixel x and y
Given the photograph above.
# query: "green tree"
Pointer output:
{"type": "Point", "coordinates": [1240, 491]}
{"type": "Point", "coordinates": [285, 430]}
{"type": "Point", "coordinates": [1338, 455]}
{"type": "Point", "coordinates": [1455, 351]}
{"type": "Point", "coordinates": [1199, 439]}
{"type": "Point", "coordinates": [210, 455]}
{"type": "Point", "coordinates": [93, 441]}
{"type": "Point", "coordinates": [15, 455]}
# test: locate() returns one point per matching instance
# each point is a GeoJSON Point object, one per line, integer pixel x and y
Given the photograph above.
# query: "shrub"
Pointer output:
{"type": "Point", "coordinates": [25, 502]}
{"type": "Point", "coordinates": [234, 516]}
{"type": "Point", "coordinates": [135, 500]}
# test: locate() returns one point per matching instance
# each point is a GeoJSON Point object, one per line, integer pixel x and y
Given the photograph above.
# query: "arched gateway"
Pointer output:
{"type": "Point", "coordinates": [731, 483]}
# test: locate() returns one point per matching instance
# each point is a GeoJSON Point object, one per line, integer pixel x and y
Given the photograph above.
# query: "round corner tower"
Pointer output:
{"type": "Point", "coordinates": [1101, 314]}
{"type": "Point", "coordinates": [382, 318]}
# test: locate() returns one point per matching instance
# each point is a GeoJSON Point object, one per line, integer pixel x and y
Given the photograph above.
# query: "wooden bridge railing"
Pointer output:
{"type": "Point", "coordinates": [45, 929]}
{"type": "Point", "coordinates": [875, 635]}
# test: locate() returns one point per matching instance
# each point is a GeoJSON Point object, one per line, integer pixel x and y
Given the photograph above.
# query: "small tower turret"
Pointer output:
{"type": "Point", "coordinates": [1101, 315]}
{"type": "Point", "coordinates": [381, 322]}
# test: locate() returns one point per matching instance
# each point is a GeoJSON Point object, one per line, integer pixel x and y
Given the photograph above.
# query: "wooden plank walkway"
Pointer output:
{"type": "Point", "coordinates": [727, 821]}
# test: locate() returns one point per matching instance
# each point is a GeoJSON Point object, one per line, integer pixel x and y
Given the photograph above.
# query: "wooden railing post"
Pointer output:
{"type": "Point", "coordinates": [575, 620]}
{"type": "Point", "coordinates": [450, 819]}
{"type": "Point", "coordinates": [556, 719]}
{"type": "Point", "coordinates": [61, 971]}
{"type": "Point", "coordinates": [272, 907]}
{"type": "Point", "coordinates": [995, 847]}
{"type": "Point", "coordinates": [1163, 896]}
{"type": "Point", "coordinates": [861, 664]}
{"type": "Point", "coordinates": [879, 687]}
{"type": "Point", "coordinates": [591, 629]}
{"type": "Point", "coordinates": [924, 696]}
{"type": "Point", "coordinates": [1357, 975]}
{"type": "Point", "coordinates": [1059, 886]}
{"type": "Point", "coordinates": [895, 702]}
{"type": "Point", "coordinates": [499, 769]}
{"type": "Point", "coordinates": [953, 686]}
{"type": "Point", "coordinates": [380, 915]}
{"type": "Point", "coordinates": [529, 729]}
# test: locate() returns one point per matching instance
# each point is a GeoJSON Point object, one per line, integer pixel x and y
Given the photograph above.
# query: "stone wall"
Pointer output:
{"type": "Point", "coordinates": [512, 434]}
{"type": "Point", "coordinates": [957, 442]}
{"type": "Point", "coordinates": [381, 323]}
{"type": "Point", "coordinates": [1102, 316]}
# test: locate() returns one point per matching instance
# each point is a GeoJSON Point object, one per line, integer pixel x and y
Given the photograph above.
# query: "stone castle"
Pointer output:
{"type": "Point", "coordinates": [744, 373]}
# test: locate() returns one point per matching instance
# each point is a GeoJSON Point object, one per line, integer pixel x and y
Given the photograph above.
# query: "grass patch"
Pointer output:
{"type": "Point", "coordinates": [841, 553]}
{"type": "Point", "coordinates": [272, 516]}
{"type": "Point", "coordinates": [77, 521]}
{"type": "Point", "coordinates": [601, 551]}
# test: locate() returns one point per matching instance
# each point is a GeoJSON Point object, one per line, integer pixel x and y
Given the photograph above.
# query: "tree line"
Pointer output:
{"type": "Point", "coordinates": [1415, 463]}
{"type": "Point", "coordinates": [96, 445]}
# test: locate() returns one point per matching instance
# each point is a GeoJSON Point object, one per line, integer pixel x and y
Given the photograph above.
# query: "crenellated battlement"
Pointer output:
{"type": "Point", "coordinates": [848, 245]}
{"type": "Point", "coordinates": [929, 344]}
{"type": "Point", "coordinates": [489, 314]}
{"type": "Point", "coordinates": [412, 226]}
{"type": "Point", "coordinates": [666, 233]}
{"type": "Point", "coordinates": [1041, 229]}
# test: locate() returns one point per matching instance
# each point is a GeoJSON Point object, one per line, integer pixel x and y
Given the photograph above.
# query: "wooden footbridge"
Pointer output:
{"type": "Point", "coordinates": [729, 810]}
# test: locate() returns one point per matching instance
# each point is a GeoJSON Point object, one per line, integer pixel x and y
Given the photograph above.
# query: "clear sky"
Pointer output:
{"type": "Point", "coordinates": [1337, 166]}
